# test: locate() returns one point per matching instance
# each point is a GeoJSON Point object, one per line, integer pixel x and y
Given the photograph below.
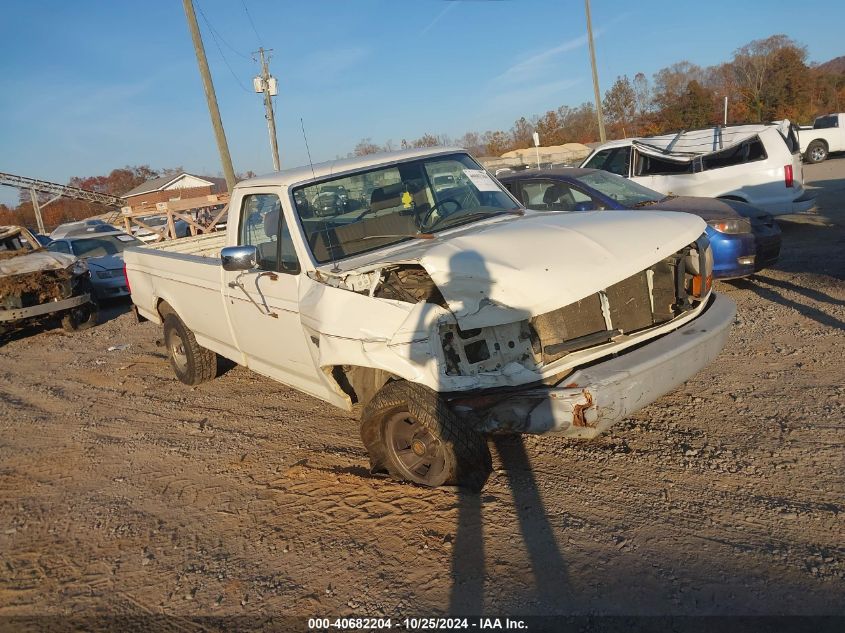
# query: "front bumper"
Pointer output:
{"type": "Point", "coordinates": [728, 249]}
{"type": "Point", "coordinates": [110, 288]}
{"type": "Point", "coordinates": [17, 314]}
{"type": "Point", "coordinates": [594, 398]}
{"type": "Point", "coordinates": [768, 249]}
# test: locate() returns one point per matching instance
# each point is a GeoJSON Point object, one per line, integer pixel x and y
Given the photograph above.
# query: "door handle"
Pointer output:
{"type": "Point", "coordinates": [236, 283]}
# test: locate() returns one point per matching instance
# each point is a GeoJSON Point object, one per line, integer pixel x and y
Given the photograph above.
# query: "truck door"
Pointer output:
{"type": "Point", "coordinates": [263, 303]}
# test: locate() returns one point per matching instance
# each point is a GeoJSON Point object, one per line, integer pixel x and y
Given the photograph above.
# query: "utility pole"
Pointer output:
{"type": "Point", "coordinates": [602, 135]}
{"type": "Point", "coordinates": [267, 84]}
{"type": "Point", "coordinates": [210, 96]}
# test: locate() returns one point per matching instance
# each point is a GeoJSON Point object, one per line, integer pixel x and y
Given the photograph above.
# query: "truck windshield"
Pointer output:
{"type": "Point", "coordinates": [369, 210]}
{"type": "Point", "coordinates": [624, 191]}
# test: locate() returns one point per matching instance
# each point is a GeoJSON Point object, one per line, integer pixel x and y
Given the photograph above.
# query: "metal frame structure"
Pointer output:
{"type": "Point", "coordinates": [59, 191]}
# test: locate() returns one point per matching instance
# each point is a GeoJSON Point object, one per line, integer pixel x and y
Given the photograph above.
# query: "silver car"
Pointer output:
{"type": "Point", "coordinates": [103, 252]}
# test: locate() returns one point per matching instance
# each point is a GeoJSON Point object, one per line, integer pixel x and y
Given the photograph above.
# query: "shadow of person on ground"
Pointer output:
{"type": "Point", "coordinates": [470, 280]}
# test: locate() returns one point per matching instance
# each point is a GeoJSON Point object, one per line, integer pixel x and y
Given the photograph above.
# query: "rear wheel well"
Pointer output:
{"type": "Point", "coordinates": [822, 141]}
{"type": "Point", "coordinates": [163, 308]}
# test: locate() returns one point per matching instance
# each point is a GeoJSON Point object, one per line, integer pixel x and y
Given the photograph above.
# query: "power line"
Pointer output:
{"type": "Point", "coordinates": [216, 33]}
{"type": "Point", "coordinates": [254, 30]}
{"type": "Point", "coordinates": [220, 50]}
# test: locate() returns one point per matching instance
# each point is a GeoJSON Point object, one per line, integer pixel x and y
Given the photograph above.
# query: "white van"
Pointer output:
{"type": "Point", "coordinates": [757, 164]}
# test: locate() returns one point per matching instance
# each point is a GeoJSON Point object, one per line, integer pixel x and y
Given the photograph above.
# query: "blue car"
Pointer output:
{"type": "Point", "coordinates": [744, 238]}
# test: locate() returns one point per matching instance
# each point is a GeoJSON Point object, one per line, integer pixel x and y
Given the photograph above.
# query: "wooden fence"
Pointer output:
{"type": "Point", "coordinates": [187, 209]}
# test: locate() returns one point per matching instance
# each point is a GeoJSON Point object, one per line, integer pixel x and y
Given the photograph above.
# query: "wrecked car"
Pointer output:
{"type": "Point", "coordinates": [36, 284]}
{"type": "Point", "coordinates": [756, 164]}
{"type": "Point", "coordinates": [439, 314]}
{"type": "Point", "coordinates": [744, 239]}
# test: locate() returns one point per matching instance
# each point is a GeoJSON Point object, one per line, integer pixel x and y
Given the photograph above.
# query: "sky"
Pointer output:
{"type": "Point", "coordinates": [87, 86]}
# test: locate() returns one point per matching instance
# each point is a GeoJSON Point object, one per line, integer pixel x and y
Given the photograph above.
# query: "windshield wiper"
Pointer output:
{"type": "Point", "coordinates": [478, 213]}
{"type": "Point", "coordinates": [419, 236]}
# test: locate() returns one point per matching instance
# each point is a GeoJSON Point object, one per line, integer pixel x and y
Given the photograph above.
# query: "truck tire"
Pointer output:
{"type": "Point", "coordinates": [191, 363]}
{"type": "Point", "coordinates": [816, 152]}
{"type": "Point", "coordinates": [80, 318]}
{"type": "Point", "coordinates": [411, 432]}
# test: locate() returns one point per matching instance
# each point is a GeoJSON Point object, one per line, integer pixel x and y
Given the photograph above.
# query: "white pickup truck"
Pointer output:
{"type": "Point", "coordinates": [439, 314]}
{"type": "Point", "coordinates": [826, 135]}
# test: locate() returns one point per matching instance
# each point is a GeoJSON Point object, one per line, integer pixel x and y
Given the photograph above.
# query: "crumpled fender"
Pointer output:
{"type": "Point", "coordinates": [356, 329]}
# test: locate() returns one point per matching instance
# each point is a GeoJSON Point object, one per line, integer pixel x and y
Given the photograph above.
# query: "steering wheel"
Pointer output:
{"type": "Point", "coordinates": [424, 222]}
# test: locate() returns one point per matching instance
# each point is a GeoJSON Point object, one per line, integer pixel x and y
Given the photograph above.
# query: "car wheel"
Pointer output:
{"type": "Point", "coordinates": [412, 433]}
{"type": "Point", "coordinates": [816, 152]}
{"type": "Point", "coordinates": [192, 363]}
{"type": "Point", "coordinates": [80, 318]}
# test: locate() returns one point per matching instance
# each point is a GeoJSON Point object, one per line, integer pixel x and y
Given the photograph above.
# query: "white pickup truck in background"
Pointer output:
{"type": "Point", "coordinates": [826, 135]}
{"type": "Point", "coordinates": [441, 312]}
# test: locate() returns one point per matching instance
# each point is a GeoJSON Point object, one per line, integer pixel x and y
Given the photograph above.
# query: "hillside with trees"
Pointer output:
{"type": "Point", "coordinates": [765, 80]}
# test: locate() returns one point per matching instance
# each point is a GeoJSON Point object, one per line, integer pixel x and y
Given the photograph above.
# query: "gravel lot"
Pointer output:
{"type": "Point", "coordinates": [123, 491]}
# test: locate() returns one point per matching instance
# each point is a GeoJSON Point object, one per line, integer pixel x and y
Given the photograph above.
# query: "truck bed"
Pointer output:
{"type": "Point", "coordinates": [201, 245]}
{"type": "Point", "coordinates": [186, 273]}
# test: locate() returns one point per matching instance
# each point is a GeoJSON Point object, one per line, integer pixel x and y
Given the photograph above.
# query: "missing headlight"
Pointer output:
{"type": "Point", "coordinates": [480, 350]}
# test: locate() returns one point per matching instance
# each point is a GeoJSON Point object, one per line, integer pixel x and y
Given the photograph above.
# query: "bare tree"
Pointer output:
{"type": "Point", "coordinates": [366, 146]}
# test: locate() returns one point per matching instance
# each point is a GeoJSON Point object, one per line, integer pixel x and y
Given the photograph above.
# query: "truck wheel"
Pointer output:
{"type": "Point", "coordinates": [80, 318]}
{"type": "Point", "coordinates": [816, 152]}
{"type": "Point", "coordinates": [411, 432]}
{"type": "Point", "coordinates": [191, 363]}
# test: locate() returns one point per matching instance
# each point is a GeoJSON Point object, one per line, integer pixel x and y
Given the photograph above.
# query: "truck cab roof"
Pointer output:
{"type": "Point", "coordinates": [318, 171]}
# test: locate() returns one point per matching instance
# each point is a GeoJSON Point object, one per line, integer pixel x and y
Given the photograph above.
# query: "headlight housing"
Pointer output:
{"type": "Point", "coordinates": [699, 268]}
{"type": "Point", "coordinates": [79, 267]}
{"type": "Point", "coordinates": [731, 227]}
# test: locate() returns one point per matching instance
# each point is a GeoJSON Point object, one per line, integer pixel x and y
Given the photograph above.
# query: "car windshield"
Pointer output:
{"type": "Point", "coordinates": [399, 202]}
{"type": "Point", "coordinates": [627, 193]}
{"type": "Point", "coordinates": [103, 245]}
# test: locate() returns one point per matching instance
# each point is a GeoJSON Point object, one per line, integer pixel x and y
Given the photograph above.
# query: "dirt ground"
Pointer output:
{"type": "Point", "coordinates": [123, 491]}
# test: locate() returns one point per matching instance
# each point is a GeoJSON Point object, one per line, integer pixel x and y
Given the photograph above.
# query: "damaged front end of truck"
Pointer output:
{"type": "Point", "coordinates": [542, 324]}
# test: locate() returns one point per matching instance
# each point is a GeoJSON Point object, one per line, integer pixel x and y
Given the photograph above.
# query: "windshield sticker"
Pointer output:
{"type": "Point", "coordinates": [406, 200]}
{"type": "Point", "coordinates": [481, 179]}
{"type": "Point", "coordinates": [125, 238]}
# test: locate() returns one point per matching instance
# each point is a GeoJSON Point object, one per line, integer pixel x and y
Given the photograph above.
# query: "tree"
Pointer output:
{"type": "Point", "coordinates": [366, 146]}
{"type": "Point", "coordinates": [496, 143]}
{"type": "Point", "coordinates": [670, 87]}
{"type": "Point", "coordinates": [695, 107]}
{"type": "Point", "coordinates": [754, 68]}
{"type": "Point", "coordinates": [620, 105]}
{"type": "Point", "coordinates": [426, 140]}
{"type": "Point", "coordinates": [472, 142]}
{"type": "Point", "coordinates": [581, 125]}
{"type": "Point", "coordinates": [522, 134]}
{"type": "Point", "coordinates": [549, 128]}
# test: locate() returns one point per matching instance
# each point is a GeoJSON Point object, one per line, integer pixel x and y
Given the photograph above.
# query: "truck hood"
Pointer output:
{"type": "Point", "coordinates": [32, 262]}
{"type": "Point", "coordinates": [510, 269]}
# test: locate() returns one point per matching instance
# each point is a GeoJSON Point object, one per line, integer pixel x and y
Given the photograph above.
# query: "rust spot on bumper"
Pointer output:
{"type": "Point", "coordinates": [578, 412]}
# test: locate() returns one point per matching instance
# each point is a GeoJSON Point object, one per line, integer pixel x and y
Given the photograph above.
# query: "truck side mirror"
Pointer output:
{"type": "Point", "coordinates": [239, 258]}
